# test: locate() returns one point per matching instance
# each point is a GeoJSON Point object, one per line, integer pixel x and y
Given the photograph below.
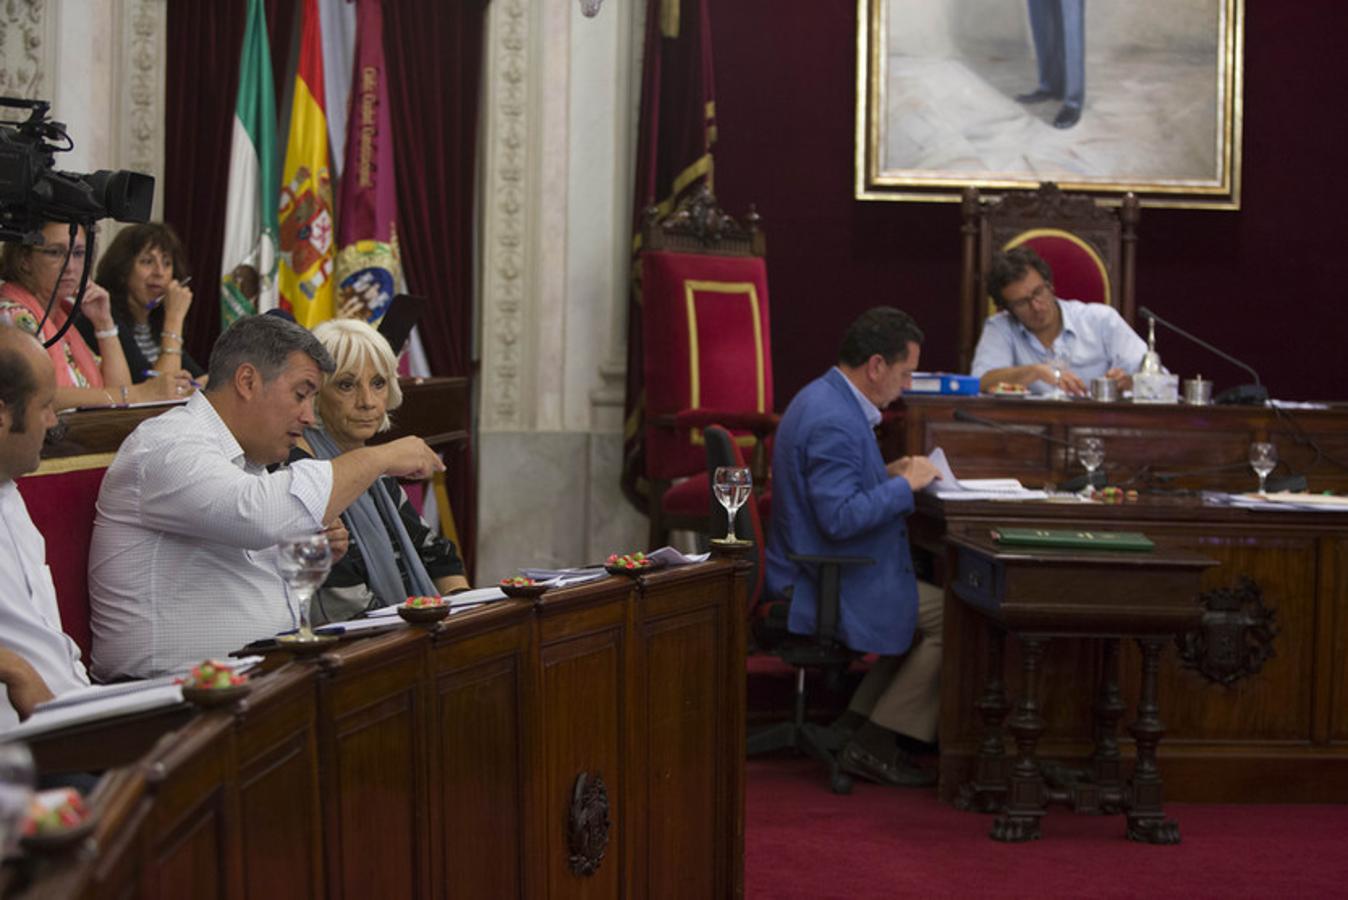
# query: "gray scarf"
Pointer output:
{"type": "Point", "coordinates": [374, 524]}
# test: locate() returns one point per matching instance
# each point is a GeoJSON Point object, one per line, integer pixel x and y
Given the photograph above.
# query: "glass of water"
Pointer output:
{"type": "Point", "coordinates": [1263, 459]}
{"type": "Point", "coordinates": [1091, 452]}
{"type": "Point", "coordinates": [305, 563]}
{"type": "Point", "coordinates": [732, 485]}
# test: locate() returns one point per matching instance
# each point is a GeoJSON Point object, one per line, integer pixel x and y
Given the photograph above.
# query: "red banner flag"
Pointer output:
{"type": "Point", "coordinates": [677, 131]}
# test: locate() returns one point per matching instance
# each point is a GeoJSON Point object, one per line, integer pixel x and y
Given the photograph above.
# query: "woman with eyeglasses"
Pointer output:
{"type": "Point", "coordinates": [144, 271]}
{"type": "Point", "coordinates": [85, 376]}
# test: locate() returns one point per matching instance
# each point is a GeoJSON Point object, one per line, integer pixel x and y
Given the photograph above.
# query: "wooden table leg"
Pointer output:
{"type": "Point", "coordinates": [1106, 762]}
{"type": "Point", "coordinates": [1146, 820]}
{"type": "Point", "coordinates": [1026, 801]}
{"type": "Point", "coordinates": [987, 791]}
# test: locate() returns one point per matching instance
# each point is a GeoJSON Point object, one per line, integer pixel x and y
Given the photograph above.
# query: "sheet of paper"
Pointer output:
{"type": "Point", "coordinates": [671, 557]}
{"type": "Point", "coordinates": [107, 708]}
{"type": "Point", "coordinates": [948, 487]}
{"type": "Point", "coordinates": [96, 692]}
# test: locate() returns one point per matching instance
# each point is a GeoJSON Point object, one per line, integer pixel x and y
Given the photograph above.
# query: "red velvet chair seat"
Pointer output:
{"type": "Point", "coordinates": [60, 500]}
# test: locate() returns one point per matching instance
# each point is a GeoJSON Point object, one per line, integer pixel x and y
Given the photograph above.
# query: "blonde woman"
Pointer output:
{"type": "Point", "coordinates": [394, 554]}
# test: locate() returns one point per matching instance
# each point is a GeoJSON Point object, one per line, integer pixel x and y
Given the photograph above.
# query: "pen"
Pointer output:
{"type": "Point", "coordinates": [160, 299]}
{"type": "Point", "coordinates": [155, 373]}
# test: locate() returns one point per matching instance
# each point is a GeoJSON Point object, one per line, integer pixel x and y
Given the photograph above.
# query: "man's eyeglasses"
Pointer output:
{"type": "Point", "coordinates": [59, 253]}
{"type": "Point", "coordinates": [1043, 292]}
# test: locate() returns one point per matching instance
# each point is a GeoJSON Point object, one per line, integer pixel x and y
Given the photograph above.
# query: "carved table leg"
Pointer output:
{"type": "Point", "coordinates": [1026, 800]}
{"type": "Point", "coordinates": [1146, 819]}
{"type": "Point", "coordinates": [1106, 764]}
{"type": "Point", "coordinates": [987, 791]}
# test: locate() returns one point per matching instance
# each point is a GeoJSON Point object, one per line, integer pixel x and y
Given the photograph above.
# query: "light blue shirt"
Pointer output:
{"type": "Point", "coordinates": [1093, 340]}
{"type": "Point", "coordinates": [868, 409]}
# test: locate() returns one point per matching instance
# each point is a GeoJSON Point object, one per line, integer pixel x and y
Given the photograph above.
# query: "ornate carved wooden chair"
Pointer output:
{"type": "Point", "coordinates": [1089, 247]}
{"type": "Point", "coordinates": [706, 351]}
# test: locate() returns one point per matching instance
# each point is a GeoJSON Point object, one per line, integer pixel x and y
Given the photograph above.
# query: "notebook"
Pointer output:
{"type": "Point", "coordinates": [1072, 537]}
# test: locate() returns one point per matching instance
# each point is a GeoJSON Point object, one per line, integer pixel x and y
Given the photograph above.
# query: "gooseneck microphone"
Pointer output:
{"type": "Point", "coordinates": [962, 415]}
{"type": "Point", "coordinates": [1241, 394]}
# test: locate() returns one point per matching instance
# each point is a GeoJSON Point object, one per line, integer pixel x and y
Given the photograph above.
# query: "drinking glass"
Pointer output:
{"type": "Point", "coordinates": [1059, 365]}
{"type": "Point", "coordinates": [305, 562]}
{"type": "Point", "coordinates": [732, 485]}
{"type": "Point", "coordinates": [1091, 452]}
{"type": "Point", "coordinates": [1263, 459]}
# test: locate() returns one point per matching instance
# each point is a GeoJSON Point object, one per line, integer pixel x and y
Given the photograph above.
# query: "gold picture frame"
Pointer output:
{"type": "Point", "coordinates": [942, 85]}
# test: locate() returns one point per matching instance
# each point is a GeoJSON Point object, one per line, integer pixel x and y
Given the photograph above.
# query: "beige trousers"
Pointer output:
{"type": "Point", "coordinates": [902, 693]}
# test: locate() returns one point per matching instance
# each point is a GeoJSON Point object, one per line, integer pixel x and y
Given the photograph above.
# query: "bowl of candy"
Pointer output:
{"type": "Point", "coordinates": [423, 610]}
{"type": "Point", "coordinates": [630, 563]}
{"type": "Point", "coordinates": [522, 587]}
{"type": "Point", "coordinates": [56, 819]}
{"type": "Point", "coordinates": [213, 683]}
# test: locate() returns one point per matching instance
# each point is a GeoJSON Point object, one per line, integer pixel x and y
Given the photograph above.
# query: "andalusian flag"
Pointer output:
{"type": "Point", "coordinates": [306, 217]}
{"type": "Point", "coordinates": [367, 263]}
{"type": "Point", "coordinates": [248, 263]}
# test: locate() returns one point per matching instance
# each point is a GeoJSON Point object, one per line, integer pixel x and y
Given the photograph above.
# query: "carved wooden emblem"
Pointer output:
{"type": "Point", "coordinates": [1236, 636]}
{"type": "Point", "coordinates": [587, 827]}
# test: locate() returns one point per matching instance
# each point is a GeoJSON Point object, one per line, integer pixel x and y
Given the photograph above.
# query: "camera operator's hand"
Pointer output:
{"type": "Point", "coordinates": [97, 307]}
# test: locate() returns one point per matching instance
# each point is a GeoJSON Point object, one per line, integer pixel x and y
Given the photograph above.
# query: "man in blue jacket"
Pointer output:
{"type": "Point", "coordinates": [833, 494]}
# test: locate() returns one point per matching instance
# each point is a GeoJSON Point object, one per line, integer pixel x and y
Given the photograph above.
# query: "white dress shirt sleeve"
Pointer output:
{"type": "Point", "coordinates": [201, 493]}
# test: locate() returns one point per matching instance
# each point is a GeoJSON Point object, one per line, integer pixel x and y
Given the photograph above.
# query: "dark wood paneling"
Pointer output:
{"type": "Point", "coordinates": [1285, 711]}
{"type": "Point", "coordinates": [1169, 446]}
{"type": "Point", "coordinates": [480, 770]}
{"type": "Point", "coordinates": [583, 669]}
{"type": "Point", "coordinates": [441, 761]}
{"type": "Point", "coordinates": [372, 753]}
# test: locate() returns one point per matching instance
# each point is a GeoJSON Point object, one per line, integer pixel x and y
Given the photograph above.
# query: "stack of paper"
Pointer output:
{"type": "Point", "coordinates": [1284, 500]}
{"type": "Point", "coordinates": [948, 487]}
{"type": "Point", "coordinates": [96, 703]}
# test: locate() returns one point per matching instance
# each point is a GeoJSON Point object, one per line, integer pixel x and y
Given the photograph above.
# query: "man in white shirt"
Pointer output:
{"type": "Point", "coordinates": [37, 659]}
{"type": "Point", "coordinates": [183, 564]}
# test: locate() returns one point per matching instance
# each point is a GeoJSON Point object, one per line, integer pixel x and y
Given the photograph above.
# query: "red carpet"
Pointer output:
{"type": "Point", "coordinates": [803, 841]}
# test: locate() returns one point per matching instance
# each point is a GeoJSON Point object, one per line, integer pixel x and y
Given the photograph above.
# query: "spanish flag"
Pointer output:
{"type": "Point", "coordinates": [306, 209]}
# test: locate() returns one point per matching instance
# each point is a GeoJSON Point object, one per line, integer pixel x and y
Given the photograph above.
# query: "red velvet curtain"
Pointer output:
{"type": "Point", "coordinates": [433, 51]}
{"type": "Point", "coordinates": [434, 56]}
{"type": "Point", "coordinates": [202, 81]}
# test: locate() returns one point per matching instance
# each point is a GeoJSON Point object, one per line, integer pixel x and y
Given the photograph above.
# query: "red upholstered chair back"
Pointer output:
{"type": "Point", "coordinates": [1089, 247]}
{"type": "Point", "coordinates": [705, 325]}
{"type": "Point", "coordinates": [705, 352]}
{"type": "Point", "coordinates": [60, 498]}
{"type": "Point", "coordinates": [1079, 272]}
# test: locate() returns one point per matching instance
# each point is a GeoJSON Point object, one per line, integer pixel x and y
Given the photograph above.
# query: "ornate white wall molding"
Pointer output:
{"type": "Point", "coordinates": [505, 233]}
{"type": "Point", "coordinates": [140, 78]}
{"type": "Point", "coordinates": [26, 39]}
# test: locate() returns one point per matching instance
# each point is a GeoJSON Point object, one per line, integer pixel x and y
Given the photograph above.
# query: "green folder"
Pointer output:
{"type": "Point", "coordinates": [1076, 538]}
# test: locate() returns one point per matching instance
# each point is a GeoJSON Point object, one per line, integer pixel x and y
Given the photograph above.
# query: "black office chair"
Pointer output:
{"type": "Point", "coordinates": [821, 651]}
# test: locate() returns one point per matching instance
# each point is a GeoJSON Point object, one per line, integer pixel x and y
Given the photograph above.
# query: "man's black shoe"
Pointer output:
{"type": "Point", "coordinates": [1038, 95]}
{"type": "Point", "coordinates": [1068, 116]}
{"type": "Point", "coordinates": [898, 772]}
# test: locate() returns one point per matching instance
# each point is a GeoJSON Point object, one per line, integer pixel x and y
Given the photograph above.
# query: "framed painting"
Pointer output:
{"type": "Point", "coordinates": [1100, 97]}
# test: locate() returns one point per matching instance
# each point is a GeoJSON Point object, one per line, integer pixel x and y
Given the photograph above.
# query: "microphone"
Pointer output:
{"type": "Point", "coordinates": [962, 415]}
{"type": "Point", "coordinates": [1242, 394]}
{"type": "Point", "coordinates": [1072, 484]}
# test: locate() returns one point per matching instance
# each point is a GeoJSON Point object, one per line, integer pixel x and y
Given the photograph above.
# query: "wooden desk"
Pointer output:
{"type": "Point", "coordinates": [437, 409]}
{"type": "Point", "coordinates": [1254, 697]}
{"type": "Point", "coordinates": [1166, 446]}
{"type": "Point", "coordinates": [1037, 594]}
{"type": "Point", "coordinates": [589, 745]}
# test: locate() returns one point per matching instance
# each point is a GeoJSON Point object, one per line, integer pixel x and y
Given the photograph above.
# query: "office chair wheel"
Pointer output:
{"type": "Point", "coordinates": [841, 783]}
